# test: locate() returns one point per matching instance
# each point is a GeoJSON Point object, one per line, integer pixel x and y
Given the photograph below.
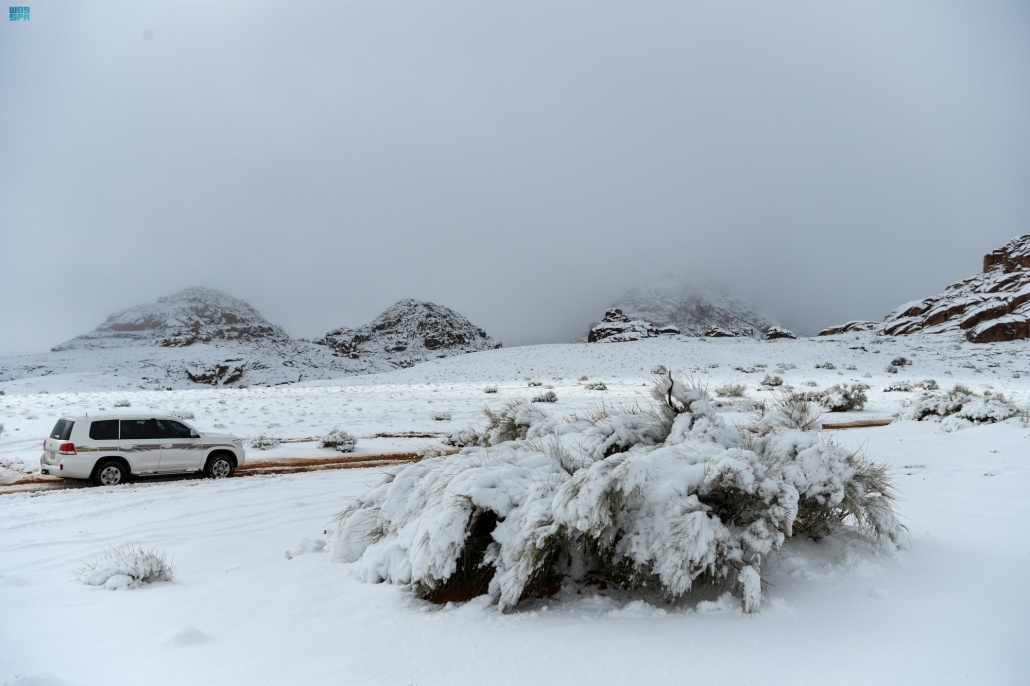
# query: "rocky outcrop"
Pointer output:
{"type": "Point", "coordinates": [774, 333]}
{"type": "Point", "coordinates": [618, 328]}
{"type": "Point", "coordinates": [691, 307]}
{"type": "Point", "coordinates": [193, 315]}
{"type": "Point", "coordinates": [857, 325]}
{"type": "Point", "coordinates": [408, 332]}
{"type": "Point", "coordinates": [991, 306]}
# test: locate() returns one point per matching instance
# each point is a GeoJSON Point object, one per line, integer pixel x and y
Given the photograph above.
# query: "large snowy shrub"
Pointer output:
{"type": "Point", "coordinates": [263, 442]}
{"type": "Point", "coordinates": [648, 501]}
{"type": "Point", "coordinates": [844, 397]}
{"type": "Point", "coordinates": [959, 408]}
{"type": "Point", "coordinates": [126, 567]}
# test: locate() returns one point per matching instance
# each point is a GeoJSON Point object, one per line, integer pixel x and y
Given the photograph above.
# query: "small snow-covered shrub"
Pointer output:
{"type": "Point", "coordinates": [825, 365]}
{"type": "Point", "coordinates": [895, 386]}
{"type": "Point", "coordinates": [122, 403]}
{"type": "Point", "coordinates": [772, 381]}
{"type": "Point", "coordinates": [891, 369]}
{"type": "Point", "coordinates": [548, 397]}
{"type": "Point", "coordinates": [534, 384]}
{"type": "Point", "coordinates": [844, 397]}
{"type": "Point", "coordinates": [900, 362]}
{"type": "Point", "coordinates": [461, 438]}
{"type": "Point", "coordinates": [126, 567]}
{"type": "Point", "coordinates": [1, 427]}
{"type": "Point", "coordinates": [180, 414]}
{"type": "Point", "coordinates": [511, 422]}
{"type": "Point", "coordinates": [731, 390]}
{"type": "Point", "coordinates": [658, 369]}
{"type": "Point", "coordinates": [338, 439]}
{"type": "Point", "coordinates": [965, 406]}
{"type": "Point", "coordinates": [440, 416]}
{"type": "Point", "coordinates": [928, 385]}
{"type": "Point", "coordinates": [596, 386]}
{"type": "Point", "coordinates": [789, 410]}
{"type": "Point", "coordinates": [650, 502]}
{"type": "Point", "coordinates": [263, 442]}
{"type": "Point", "coordinates": [490, 389]}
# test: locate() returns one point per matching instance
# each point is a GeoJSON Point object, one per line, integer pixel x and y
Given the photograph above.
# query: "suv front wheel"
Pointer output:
{"type": "Point", "coordinates": [219, 467]}
{"type": "Point", "coordinates": [110, 473]}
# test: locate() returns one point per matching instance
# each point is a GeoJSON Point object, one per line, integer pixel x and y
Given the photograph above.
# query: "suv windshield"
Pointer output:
{"type": "Point", "coordinates": [62, 430]}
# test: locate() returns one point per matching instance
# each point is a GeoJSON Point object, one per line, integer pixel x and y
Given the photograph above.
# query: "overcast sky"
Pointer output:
{"type": "Point", "coordinates": [521, 162]}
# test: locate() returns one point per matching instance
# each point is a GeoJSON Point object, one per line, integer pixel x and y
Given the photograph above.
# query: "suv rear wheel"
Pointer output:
{"type": "Point", "coordinates": [219, 467]}
{"type": "Point", "coordinates": [110, 473]}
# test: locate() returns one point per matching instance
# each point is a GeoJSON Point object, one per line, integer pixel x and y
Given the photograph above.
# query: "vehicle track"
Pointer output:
{"type": "Point", "coordinates": [38, 483]}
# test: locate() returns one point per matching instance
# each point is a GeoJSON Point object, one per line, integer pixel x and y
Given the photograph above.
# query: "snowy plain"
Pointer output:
{"type": "Point", "coordinates": [256, 600]}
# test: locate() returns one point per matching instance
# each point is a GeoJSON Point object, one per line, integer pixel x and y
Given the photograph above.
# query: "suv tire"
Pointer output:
{"type": "Point", "coordinates": [219, 467]}
{"type": "Point", "coordinates": [110, 473]}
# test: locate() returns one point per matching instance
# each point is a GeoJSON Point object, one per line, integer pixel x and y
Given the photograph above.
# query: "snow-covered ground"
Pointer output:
{"type": "Point", "coordinates": [255, 599]}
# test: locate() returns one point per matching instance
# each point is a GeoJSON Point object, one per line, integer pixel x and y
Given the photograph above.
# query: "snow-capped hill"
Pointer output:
{"type": "Point", "coordinates": [618, 328]}
{"type": "Point", "coordinates": [693, 307]}
{"type": "Point", "coordinates": [992, 306]}
{"type": "Point", "coordinates": [408, 332]}
{"type": "Point", "coordinates": [193, 315]}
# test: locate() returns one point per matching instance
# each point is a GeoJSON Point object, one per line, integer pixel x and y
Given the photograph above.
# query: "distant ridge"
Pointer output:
{"type": "Point", "coordinates": [692, 307]}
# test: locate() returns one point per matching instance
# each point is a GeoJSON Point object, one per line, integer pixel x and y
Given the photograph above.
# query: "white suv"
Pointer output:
{"type": "Point", "coordinates": [107, 449]}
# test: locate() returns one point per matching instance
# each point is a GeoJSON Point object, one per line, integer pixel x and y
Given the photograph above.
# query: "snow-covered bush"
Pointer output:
{"type": "Point", "coordinates": [122, 403]}
{"type": "Point", "coordinates": [548, 397]}
{"type": "Point", "coordinates": [461, 438]}
{"type": "Point", "coordinates": [960, 407]}
{"type": "Point", "coordinates": [844, 397]}
{"type": "Point", "coordinates": [126, 567]}
{"type": "Point", "coordinates": [772, 381]}
{"type": "Point", "coordinates": [490, 389]}
{"type": "Point", "coordinates": [648, 501]}
{"type": "Point", "coordinates": [895, 386]}
{"type": "Point", "coordinates": [534, 384]}
{"type": "Point", "coordinates": [825, 365]}
{"type": "Point", "coordinates": [440, 416]}
{"type": "Point", "coordinates": [263, 442]}
{"type": "Point", "coordinates": [180, 414]}
{"type": "Point", "coordinates": [928, 385]}
{"type": "Point", "coordinates": [900, 362]}
{"type": "Point", "coordinates": [731, 390]}
{"type": "Point", "coordinates": [596, 386]}
{"type": "Point", "coordinates": [338, 439]}
{"type": "Point", "coordinates": [1, 427]}
{"type": "Point", "coordinates": [657, 369]}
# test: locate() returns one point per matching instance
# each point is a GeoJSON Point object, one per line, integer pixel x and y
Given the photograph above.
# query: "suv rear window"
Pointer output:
{"type": "Point", "coordinates": [62, 430]}
{"type": "Point", "coordinates": [104, 430]}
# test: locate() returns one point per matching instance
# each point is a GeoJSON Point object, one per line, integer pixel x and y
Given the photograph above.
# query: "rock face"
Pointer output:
{"type": "Point", "coordinates": [858, 325]}
{"type": "Point", "coordinates": [618, 328]}
{"type": "Point", "coordinates": [193, 315]}
{"type": "Point", "coordinates": [408, 332]}
{"type": "Point", "coordinates": [991, 306]}
{"type": "Point", "coordinates": [694, 308]}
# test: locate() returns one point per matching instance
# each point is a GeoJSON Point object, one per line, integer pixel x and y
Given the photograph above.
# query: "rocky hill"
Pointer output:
{"type": "Point", "coordinates": [691, 307]}
{"type": "Point", "coordinates": [193, 315]}
{"type": "Point", "coordinates": [408, 332]}
{"type": "Point", "coordinates": [993, 305]}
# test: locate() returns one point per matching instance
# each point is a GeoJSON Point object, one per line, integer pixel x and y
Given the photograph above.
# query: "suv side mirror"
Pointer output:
{"type": "Point", "coordinates": [194, 434]}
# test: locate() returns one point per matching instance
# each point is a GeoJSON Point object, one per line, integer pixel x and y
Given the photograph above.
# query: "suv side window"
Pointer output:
{"type": "Point", "coordinates": [104, 430]}
{"type": "Point", "coordinates": [138, 429]}
{"type": "Point", "coordinates": [166, 428]}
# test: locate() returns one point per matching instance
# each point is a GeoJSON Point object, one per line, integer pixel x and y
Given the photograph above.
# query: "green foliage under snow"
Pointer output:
{"type": "Point", "coordinates": [651, 501]}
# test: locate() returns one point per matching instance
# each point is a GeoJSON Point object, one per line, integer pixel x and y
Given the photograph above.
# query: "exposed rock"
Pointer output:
{"type": "Point", "coordinates": [857, 325]}
{"type": "Point", "coordinates": [775, 332]}
{"type": "Point", "coordinates": [618, 328]}
{"type": "Point", "coordinates": [408, 332]}
{"type": "Point", "coordinates": [991, 306]}
{"type": "Point", "coordinates": [690, 307]}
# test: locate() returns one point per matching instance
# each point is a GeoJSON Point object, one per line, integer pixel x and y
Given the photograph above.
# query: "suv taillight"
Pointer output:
{"type": "Point", "coordinates": [66, 449]}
